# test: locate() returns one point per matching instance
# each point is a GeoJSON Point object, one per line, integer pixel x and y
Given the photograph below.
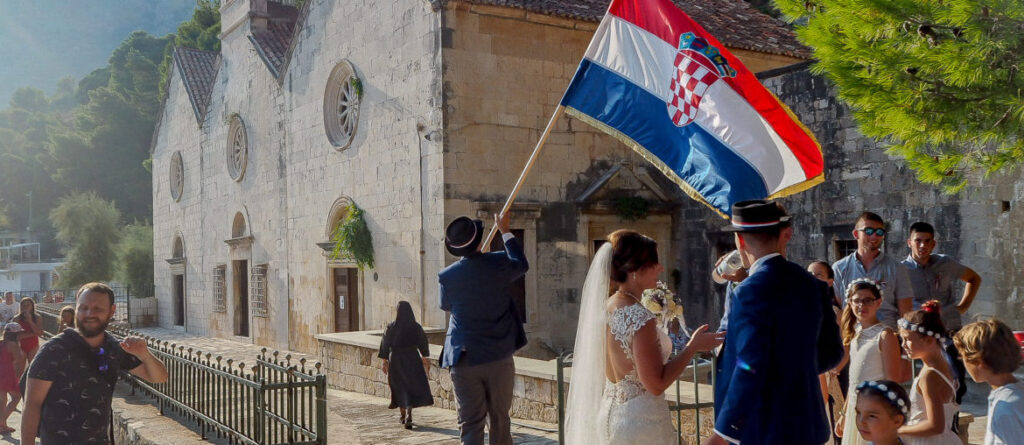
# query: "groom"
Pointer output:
{"type": "Point", "coordinates": [781, 336]}
{"type": "Point", "coordinates": [484, 329]}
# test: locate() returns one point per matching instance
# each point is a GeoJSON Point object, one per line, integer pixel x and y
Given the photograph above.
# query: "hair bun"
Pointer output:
{"type": "Point", "coordinates": [931, 307]}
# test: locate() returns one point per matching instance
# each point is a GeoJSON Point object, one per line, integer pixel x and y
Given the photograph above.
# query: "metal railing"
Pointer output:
{"type": "Point", "coordinates": [272, 402]}
{"type": "Point", "coordinates": [699, 363]}
{"type": "Point", "coordinates": [57, 298]}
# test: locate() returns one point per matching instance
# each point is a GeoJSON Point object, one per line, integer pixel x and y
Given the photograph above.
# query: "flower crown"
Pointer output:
{"type": "Point", "coordinates": [894, 399]}
{"type": "Point", "coordinates": [907, 325]}
{"type": "Point", "coordinates": [854, 283]}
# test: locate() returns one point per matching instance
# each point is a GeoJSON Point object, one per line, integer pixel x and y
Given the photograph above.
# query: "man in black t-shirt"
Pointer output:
{"type": "Point", "coordinates": [71, 380]}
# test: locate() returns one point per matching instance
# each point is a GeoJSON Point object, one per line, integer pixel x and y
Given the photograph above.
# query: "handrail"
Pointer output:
{"type": "Point", "coordinates": [273, 402]}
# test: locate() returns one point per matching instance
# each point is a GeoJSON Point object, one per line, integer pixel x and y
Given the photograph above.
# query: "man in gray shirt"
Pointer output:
{"type": "Point", "coordinates": [934, 276]}
{"type": "Point", "coordinates": [870, 262]}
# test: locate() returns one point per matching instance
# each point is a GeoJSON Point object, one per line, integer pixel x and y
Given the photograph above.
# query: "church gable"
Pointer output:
{"type": "Point", "coordinates": [198, 73]}
{"type": "Point", "coordinates": [624, 181]}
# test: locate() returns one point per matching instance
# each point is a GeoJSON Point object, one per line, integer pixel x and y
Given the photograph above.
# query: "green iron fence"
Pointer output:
{"type": "Point", "coordinates": [703, 363]}
{"type": "Point", "coordinates": [272, 402]}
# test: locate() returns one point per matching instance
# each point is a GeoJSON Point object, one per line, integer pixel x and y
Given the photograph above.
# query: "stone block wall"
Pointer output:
{"type": "Point", "coordinates": [351, 364]}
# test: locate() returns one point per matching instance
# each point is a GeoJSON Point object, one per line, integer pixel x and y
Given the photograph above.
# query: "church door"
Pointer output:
{"type": "Point", "coordinates": [346, 299]}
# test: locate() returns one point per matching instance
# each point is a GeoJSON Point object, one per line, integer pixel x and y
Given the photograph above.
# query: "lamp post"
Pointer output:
{"type": "Point", "coordinates": [29, 228]}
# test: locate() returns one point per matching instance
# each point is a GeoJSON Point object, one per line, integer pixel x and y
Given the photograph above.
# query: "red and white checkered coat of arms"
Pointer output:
{"type": "Point", "coordinates": [698, 65]}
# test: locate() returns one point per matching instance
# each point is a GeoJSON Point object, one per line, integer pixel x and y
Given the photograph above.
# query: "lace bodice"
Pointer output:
{"type": "Point", "coordinates": [625, 321]}
{"type": "Point", "coordinates": [629, 413]}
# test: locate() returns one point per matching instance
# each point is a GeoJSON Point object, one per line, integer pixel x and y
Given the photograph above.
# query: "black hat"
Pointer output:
{"type": "Point", "coordinates": [757, 215]}
{"type": "Point", "coordinates": [462, 236]}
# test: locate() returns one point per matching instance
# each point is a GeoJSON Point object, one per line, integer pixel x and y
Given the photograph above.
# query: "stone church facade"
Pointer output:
{"type": "Point", "coordinates": [417, 111]}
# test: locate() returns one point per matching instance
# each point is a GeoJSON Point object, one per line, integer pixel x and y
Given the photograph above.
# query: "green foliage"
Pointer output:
{"type": "Point", "coordinates": [201, 32]}
{"type": "Point", "coordinates": [135, 253]}
{"type": "Point", "coordinates": [88, 226]}
{"type": "Point", "coordinates": [352, 239]}
{"type": "Point", "coordinates": [632, 208]}
{"type": "Point", "coordinates": [938, 80]}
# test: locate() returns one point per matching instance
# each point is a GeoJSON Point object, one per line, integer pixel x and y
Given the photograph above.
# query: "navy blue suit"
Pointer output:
{"type": "Point", "coordinates": [782, 334]}
{"type": "Point", "coordinates": [484, 324]}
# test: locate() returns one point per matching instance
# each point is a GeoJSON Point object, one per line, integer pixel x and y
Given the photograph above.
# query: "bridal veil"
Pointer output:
{"type": "Point", "coordinates": [586, 388]}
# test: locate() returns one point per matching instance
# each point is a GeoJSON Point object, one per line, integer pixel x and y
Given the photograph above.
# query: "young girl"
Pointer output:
{"type": "Point", "coordinates": [872, 348]}
{"type": "Point", "coordinates": [12, 365]}
{"type": "Point", "coordinates": [882, 408]}
{"type": "Point", "coordinates": [932, 403]}
{"type": "Point", "coordinates": [67, 318]}
{"type": "Point", "coordinates": [32, 325]}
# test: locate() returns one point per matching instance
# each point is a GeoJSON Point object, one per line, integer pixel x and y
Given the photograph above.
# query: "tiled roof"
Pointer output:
{"type": "Point", "coordinates": [272, 44]}
{"type": "Point", "coordinates": [734, 22]}
{"type": "Point", "coordinates": [198, 72]}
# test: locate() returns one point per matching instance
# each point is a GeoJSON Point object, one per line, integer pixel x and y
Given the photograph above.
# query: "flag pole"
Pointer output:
{"type": "Point", "coordinates": [486, 245]}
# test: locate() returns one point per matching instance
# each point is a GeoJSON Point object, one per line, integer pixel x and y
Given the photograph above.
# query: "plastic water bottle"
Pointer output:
{"type": "Point", "coordinates": [728, 266]}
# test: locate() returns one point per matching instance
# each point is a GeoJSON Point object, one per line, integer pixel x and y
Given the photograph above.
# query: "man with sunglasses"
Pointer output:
{"type": "Point", "coordinates": [869, 261]}
{"type": "Point", "coordinates": [71, 381]}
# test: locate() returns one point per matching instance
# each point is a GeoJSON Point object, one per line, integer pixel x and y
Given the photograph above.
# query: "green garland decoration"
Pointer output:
{"type": "Point", "coordinates": [632, 208]}
{"type": "Point", "coordinates": [353, 240]}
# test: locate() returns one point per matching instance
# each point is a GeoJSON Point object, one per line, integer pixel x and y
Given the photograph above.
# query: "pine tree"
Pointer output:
{"type": "Point", "coordinates": [938, 80]}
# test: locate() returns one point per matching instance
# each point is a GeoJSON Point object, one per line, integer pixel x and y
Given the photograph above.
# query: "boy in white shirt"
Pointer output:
{"type": "Point", "coordinates": [991, 354]}
{"type": "Point", "coordinates": [8, 309]}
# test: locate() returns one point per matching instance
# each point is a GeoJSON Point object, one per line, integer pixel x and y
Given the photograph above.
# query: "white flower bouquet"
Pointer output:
{"type": "Point", "coordinates": [662, 302]}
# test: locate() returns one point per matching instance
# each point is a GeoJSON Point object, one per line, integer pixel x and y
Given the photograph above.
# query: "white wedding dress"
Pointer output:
{"type": "Point", "coordinates": [601, 412]}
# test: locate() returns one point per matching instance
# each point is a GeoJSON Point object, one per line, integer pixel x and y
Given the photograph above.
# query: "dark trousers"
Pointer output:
{"type": "Point", "coordinates": [484, 392]}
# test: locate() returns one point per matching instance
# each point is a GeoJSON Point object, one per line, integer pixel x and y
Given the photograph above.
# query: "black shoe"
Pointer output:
{"type": "Point", "coordinates": [408, 422]}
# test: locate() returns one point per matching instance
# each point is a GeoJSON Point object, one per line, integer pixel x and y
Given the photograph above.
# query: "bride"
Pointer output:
{"type": "Point", "coordinates": [620, 361]}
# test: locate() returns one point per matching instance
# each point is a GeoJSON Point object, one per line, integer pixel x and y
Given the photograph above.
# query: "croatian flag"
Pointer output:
{"type": "Point", "coordinates": [656, 80]}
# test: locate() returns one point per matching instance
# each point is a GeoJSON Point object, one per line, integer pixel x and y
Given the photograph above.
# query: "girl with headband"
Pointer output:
{"type": "Point", "coordinates": [932, 396]}
{"type": "Point", "coordinates": [882, 407]}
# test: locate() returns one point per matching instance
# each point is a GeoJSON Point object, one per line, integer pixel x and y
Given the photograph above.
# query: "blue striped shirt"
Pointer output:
{"type": "Point", "coordinates": [890, 275]}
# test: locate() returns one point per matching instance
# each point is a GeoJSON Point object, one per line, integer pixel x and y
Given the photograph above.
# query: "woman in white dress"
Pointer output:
{"type": "Point", "coordinates": [620, 360]}
{"type": "Point", "coordinates": [933, 394]}
{"type": "Point", "coordinates": [873, 349]}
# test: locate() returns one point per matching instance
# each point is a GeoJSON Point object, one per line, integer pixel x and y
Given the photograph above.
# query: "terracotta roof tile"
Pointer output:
{"type": "Point", "coordinates": [735, 23]}
{"type": "Point", "coordinates": [273, 43]}
{"type": "Point", "coordinates": [198, 72]}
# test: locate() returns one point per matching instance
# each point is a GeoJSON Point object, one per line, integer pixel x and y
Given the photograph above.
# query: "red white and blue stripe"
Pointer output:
{"type": "Point", "coordinates": [659, 82]}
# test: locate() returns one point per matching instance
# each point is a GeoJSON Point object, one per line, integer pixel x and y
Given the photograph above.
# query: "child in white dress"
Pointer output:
{"type": "Point", "coordinates": [934, 389]}
{"type": "Point", "coordinates": [882, 408]}
{"type": "Point", "coordinates": [872, 348]}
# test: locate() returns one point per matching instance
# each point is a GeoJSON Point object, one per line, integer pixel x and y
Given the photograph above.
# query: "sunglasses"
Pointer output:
{"type": "Point", "coordinates": [873, 231]}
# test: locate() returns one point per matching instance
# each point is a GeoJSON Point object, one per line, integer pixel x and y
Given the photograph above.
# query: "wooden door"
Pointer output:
{"type": "Point", "coordinates": [241, 288]}
{"type": "Point", "coordinates": [346, 299]}
{"type": "Point", "coordinates": [178, 295]}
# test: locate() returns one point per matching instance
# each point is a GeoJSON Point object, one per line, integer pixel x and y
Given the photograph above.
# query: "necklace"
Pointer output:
{"type": "Point", "coordinates": [629, 294]}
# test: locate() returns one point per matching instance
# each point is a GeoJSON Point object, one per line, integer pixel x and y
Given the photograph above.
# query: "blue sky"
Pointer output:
{"type": "Point", "coordinates": [42, 41]}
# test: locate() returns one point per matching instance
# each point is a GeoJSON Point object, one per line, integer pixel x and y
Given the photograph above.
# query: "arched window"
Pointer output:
{"type": "Point", "coordinates": [238, 229]}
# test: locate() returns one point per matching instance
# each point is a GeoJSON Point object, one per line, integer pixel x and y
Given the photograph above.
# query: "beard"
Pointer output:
{"type": "Point", "coordinates": [96, 328]}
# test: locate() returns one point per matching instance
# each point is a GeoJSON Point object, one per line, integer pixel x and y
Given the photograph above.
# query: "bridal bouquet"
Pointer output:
{"type": "Point", "coordinates": [662, 302]}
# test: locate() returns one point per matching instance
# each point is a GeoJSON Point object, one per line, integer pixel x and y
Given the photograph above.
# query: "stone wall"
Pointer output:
{"type": "Point", "coordinates": [351, 364]}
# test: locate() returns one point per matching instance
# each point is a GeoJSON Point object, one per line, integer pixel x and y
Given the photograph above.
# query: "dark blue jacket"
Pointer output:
{"type": "Point", "coordinates": [782, 334]}
{"type": "Point", "coordinates": [484, 324]}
